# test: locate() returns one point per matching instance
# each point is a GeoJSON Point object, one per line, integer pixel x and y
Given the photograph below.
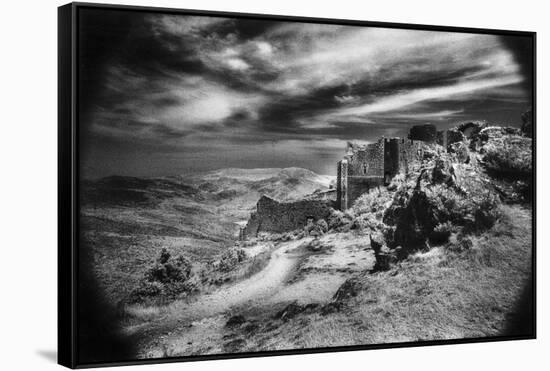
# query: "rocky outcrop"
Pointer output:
{"type": "Point", "coordinates": [446, 195]}
{"type": "Point", "coordinates": [349, 289]}
{"type": "Point", "coordinates": [293, 309]}
{"type": "Point", "coordinates": [454, 136]}
{"type": "Point", "coordinates": [460, 152]}
{"type": "Point", "coordinates": [317, 245]}
{"type": "Point", "coordinates": [507, 156]}
{"type": "Point", "coordinates": [457, 190]}
{"type": "Point", "coordinates": [505, 152]}
{"type": "Point", "coordinates": [383, 255]}
{"type": "Point", "coordinates": [471, 128]}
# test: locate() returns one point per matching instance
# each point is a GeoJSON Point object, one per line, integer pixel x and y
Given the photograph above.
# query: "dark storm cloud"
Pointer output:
{"type": "Point", "coordinates": [240, 92]}
{"type": "Point", "coordinates": [284, 112]}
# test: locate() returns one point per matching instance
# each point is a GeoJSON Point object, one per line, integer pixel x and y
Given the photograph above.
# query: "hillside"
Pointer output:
{"type": "Point", "coordinates": [127, 220]}
{"type": "Point", "coordinates": [236, 191]}
{"type": "Point", "coordinates": [441, 253]}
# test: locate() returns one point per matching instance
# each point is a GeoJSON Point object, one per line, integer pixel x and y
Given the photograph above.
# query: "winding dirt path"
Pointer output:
{"type": "Point", "coordinates": [197, 327]}
{"type": "Point", "coordinates": [256, 288]}
{"type": "Point", "coordinates": [251, 291]}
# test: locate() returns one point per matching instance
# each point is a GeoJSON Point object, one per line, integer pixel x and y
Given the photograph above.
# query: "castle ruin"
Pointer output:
{"type": "Point", "coordinates": [362, 168]}
{"type": "Point", "coordinates": [276, 216]}
{"type": "Point", "coordinates": [366, 166]}
{"type": "Point", "coordinates": [372, 165]}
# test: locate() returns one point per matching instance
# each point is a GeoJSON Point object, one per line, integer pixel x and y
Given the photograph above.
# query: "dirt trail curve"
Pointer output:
{"type": "Point", "coordinates": [255, 289]}
{"type": "Point", "coordinates": [258, 287]}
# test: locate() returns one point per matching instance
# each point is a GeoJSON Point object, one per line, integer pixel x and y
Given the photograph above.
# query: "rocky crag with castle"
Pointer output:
{"type": "Point", "coordinates": [363, 167]}
{"type": "Point", "coordinates": [372, 165]}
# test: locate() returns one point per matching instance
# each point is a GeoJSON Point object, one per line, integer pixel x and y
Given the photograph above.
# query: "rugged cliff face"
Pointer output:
{"type": "Point", "coordinates": [454, 187]}
{"type": "Point", "coordinates": [456, 193]}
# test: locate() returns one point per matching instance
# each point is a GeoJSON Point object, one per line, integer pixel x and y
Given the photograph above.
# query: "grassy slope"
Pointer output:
{"type": "Point", "coordinates": [126, 221]}
{"type": "Point", "coordinates": [435, 295]}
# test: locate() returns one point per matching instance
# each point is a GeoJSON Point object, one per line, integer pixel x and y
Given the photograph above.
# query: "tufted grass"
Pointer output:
{"type": "Point", "coordinates": [435, 295]}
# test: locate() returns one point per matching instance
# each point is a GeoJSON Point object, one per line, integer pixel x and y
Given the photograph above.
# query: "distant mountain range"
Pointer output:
{"type": "Point", "coordinates": [231, 193]}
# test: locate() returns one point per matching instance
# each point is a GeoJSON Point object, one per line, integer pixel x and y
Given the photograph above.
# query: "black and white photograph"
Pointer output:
{"type": "Point", "coordinates": [249, 185]}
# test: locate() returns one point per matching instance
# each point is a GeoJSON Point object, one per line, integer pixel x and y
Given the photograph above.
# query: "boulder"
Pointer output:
{"type": "Point", "coordinates": [454, 136]}
{"type": "Point", "coordinates": [289, 311]}
{"type": "Point", "coordinates": [460, 152]}
{"type": "Point", "coordinates": [443, 172]}
{"type": "Point", "coordinates": [376, 241]}
{"type": "Point", "coordinates": [383, 255]}
{"type": "Point", "coordinates": [316, 245]}
{"type": "Point", "coordinates": [293, 309]}
{"type": "Point", "coordinates": [385, 259]}
{"type": "Point", "coordinates": [448, 196]}
{"type": "Point", "coordinates": [349, 289]}
{"type": "Point", "coordinates": [471, 129]}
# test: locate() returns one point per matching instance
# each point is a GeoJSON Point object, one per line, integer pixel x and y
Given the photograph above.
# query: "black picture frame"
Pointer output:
{"type": "Point", "coordinates": [68, 181]}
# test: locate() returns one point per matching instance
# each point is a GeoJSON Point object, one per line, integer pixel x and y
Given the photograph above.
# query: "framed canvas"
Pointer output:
{"type": "Point", "coordinates": [237, 185]}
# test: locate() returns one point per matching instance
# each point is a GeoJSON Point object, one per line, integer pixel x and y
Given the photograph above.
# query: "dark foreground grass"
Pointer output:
{"type": "Point", "coordinates": [440, 294]}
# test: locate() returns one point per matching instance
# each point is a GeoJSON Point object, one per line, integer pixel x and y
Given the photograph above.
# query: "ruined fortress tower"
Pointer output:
{"type": "Point", "coordinates": [372, 165]}
{"type": "Point", "coordinates": [375, 164]}
{"type": "Point", "coordinates": [363, 167]}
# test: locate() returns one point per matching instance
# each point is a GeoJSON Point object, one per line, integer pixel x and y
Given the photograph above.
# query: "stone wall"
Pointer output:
{"type": "Point", "coordinates": [367, 160]}
{"type": "Point", "coordinates": [442, 138]}
{"type": "Point", "coordinates": [410, 155]}
{"type": "Point", "coordinates": [342, 185]}
{"type": "Point", "coordinates": [374, 165]}
{"type": "Point", "coordinates": [275, 216]}
{"type": "Point", "coordinates": [359, 185]}
{"type": "Point", "coordinates": [363, 166]}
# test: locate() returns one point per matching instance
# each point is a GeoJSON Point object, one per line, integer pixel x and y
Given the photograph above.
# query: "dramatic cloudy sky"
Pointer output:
{"type": "Point", "coordinates": [170, 94]}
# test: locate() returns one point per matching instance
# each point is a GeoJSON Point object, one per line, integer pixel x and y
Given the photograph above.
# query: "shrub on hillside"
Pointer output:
{"type": "Point", "coordinates": [339, 221]}
{"type": "Point", "coordinates": [441, 233]}
{"type": "Point", "coordinates": [322, 225]}
{"type": "Point", "coordinates": [486, 211]}
{"type": "Point", "coordinates": [146, 291]}
{"type": "Point", "coordinates": [315, 229]}
{"type": "Point", "coordinates": [166, 279]}
{"type": "Point", "coordinates": [167, 270]}
{"type": "Point", "coordinates": [372, 202]}
{"type": "Point", "coordinates": [508, 155]}
{"type": "Point", "coordinates": [400, 179]}
{"type": "Point", "coordinates": [230, 259]}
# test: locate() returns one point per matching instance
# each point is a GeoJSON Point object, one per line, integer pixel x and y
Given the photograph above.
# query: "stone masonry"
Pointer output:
{"type": "Point", "coordinates": [362, 168]}
{"type": "Point", "coordinates": [372, 165]}
{"type": "Point", "coordinates": [276, 216]}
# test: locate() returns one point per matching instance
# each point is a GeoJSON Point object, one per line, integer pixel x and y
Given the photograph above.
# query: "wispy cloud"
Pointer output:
{"type": "Point", "coordinates": [401, 100]}
{"type": "Point", "coordinates": [190, 80]}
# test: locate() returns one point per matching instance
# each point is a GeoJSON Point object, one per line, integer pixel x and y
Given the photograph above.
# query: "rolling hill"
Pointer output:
{"type": "Point", "coordinates": [126, 220]}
